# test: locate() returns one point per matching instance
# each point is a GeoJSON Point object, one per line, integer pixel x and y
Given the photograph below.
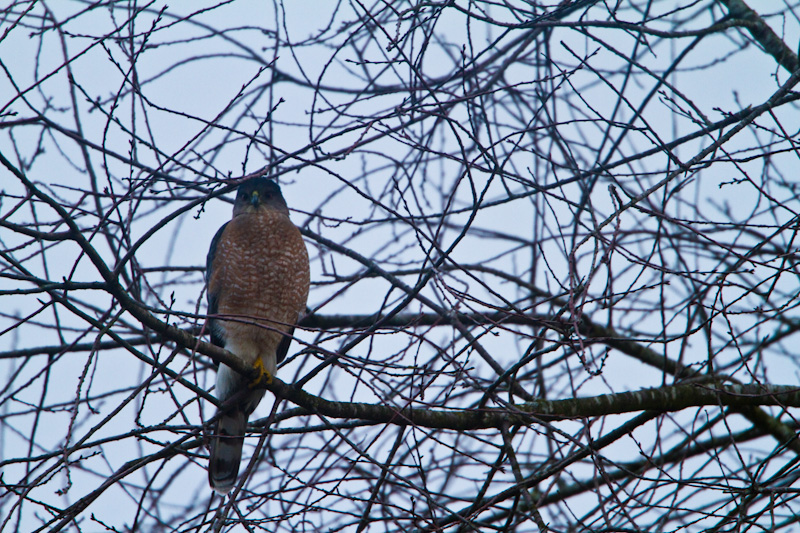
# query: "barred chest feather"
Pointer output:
{"type": "Point", "coordinates": [261, 280]}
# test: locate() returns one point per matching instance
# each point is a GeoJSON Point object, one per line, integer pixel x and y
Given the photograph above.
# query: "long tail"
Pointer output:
{"type": "Point", "coordinates": [226, 450]}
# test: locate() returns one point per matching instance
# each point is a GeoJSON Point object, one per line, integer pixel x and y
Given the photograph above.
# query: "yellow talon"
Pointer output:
{"type": "Point", "coordinates": [262, 372]}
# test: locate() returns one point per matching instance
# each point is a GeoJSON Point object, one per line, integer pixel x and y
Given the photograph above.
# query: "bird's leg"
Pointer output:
{"type": "Point", "coordinates": [262, 372]}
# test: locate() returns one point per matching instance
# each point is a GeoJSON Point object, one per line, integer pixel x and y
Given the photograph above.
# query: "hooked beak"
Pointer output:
{"type": "Point", "coordinates": [254, 199]}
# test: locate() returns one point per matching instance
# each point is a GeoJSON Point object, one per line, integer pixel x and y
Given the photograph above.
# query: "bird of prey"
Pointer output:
{"type": "Point", "coordinates": [257, 277]}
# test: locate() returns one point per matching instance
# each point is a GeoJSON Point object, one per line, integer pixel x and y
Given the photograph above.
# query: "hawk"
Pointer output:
{"type": "Point", "coordinates": [257, 276]}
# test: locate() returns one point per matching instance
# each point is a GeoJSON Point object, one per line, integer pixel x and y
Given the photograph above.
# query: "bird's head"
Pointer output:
{"type": "Point", "coordinates": [257, 194]}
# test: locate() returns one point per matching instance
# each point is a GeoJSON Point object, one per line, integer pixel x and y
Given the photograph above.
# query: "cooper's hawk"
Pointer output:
{"type": "Point", "coordinates": [257, 277]}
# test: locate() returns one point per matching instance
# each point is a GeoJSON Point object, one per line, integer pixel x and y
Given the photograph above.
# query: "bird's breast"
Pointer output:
{"type": "Point", "coordinates": [260, 277]}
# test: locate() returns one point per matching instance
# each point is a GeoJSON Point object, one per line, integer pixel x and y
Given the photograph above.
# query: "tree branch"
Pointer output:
{"type": "Point", "coordinates": [763, 34]}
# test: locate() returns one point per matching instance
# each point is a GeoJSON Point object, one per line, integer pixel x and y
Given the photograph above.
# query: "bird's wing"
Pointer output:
{"type": "Point", "coordinates": [283, 347]}
{"type": "Point", "coordinates": [211, 293]}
